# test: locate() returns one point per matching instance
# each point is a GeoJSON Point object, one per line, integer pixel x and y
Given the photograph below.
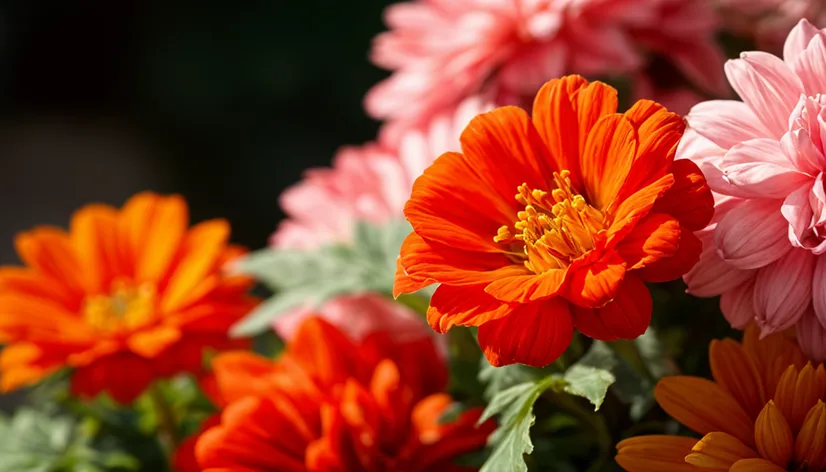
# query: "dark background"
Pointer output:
{"type": "Point", "coordinates": [224, 102]}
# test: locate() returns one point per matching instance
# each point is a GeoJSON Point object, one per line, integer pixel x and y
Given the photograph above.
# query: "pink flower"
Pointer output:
{"type": "Point", "coordinates": [765, 159]}
{"type": "Point", "coordinates": [441, 51]}
{"type": "Point", "coordinates": [359, 315]}
{"type": "Point", "coordinates": [368, 183]}
{"type": "Point", "coordinates": [769, 21]}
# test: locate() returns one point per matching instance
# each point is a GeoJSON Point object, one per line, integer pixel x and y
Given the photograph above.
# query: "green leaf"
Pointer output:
{"type": "Point", "coordinates": [311, 277]}
{"type": "Point", "coordinates": [498, 379]}
{"type": "Point", "coordinates": [514, 408]}
{"type": "Point", "coordinates": [589, 382]}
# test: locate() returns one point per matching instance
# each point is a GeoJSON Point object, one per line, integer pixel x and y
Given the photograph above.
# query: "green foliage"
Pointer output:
{"type": "Point", "coordinates": [368, 263]}
{"type": "Point", "coordinates": [588, 382]}
{"type": "Point", "coordinates": [34, 441]}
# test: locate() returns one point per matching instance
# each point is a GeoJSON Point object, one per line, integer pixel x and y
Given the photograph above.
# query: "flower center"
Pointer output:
{"type": "Point", "coordinates": [126, 308]}
{"type": "Point", "coordinates": [554, 228]}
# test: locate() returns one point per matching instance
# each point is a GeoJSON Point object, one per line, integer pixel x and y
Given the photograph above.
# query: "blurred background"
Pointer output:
{"type": "Point", "coordinates": [226, 105]}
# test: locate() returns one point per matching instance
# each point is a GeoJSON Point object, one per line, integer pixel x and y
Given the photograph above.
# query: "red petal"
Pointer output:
{"type": "Point", "coordinates": [463, 306]}
{"type": "Point", "coordinates": [452, 205]}
{"type": "Point", "coordinates": [522, 288]}
{"type": "Point", "coordinates": [655, 237]}
{"type": "Point", "coordinates": [606, 159]}
{"type": "Point", "coordinates": [123, 376]}
{"type": "Point", "coordinates": [323, 351]}
{"type": "Point", "coordinates": [596, 284]}
{"type": "Point", "coordinates": [534, 334]}
{"type": "Point", "coordinates": [402, 283]}
{"type": "Point", "coordinates": [631, 210]}
{"type": "Point", "coordinates": [627, 317]}
{"type": "Point", "coordinates": [688, 253]}
{"type": "Point", "coordinates": [505, 150]}
{"type": "Point", "coordinates": [689, 199]}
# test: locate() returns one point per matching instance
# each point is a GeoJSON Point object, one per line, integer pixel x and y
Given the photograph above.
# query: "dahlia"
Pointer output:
{"type": "Point", "coordinates": [441, 51]}
{"type": "Point", "coordinates": [124, 297]}
{"type": "Point", "coordinates": [600, 207]}
{"type": "Point", "coordinates": [765, 159]}
{"type": "Point", "coordinates": [329, 403]}
{"type": "Point", "coordinates": [764, 412]}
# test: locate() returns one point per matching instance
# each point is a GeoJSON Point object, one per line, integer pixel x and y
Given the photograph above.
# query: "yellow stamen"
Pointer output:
{"type": "Point", "coordinates": [555, 227]}
{"type": "Point", "coordinates": [126, 308]}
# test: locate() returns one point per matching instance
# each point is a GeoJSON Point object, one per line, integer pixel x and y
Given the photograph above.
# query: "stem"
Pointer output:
{"type": "Point", "coordinates": [592, 419]}
{"type": "Point", "coordinates": [167, 426]}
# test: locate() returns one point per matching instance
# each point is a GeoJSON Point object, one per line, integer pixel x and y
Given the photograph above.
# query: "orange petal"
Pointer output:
{"type": "Point", "coordinates": [755, 465]}
{"type": "Point", "coordinates": [35, 319]}
{"type": "Point", "coordinates": [534, 334]}
{"type": "Point", "coordinates": [811, 441]}
{"type": "Point", "coordinates": [555, 117]}
{"type": "Point", "coordinates": [796, 393]}
{"type": "Point", "coordinates": [596, 284]}
{"type": "Point", "coordinates": [163, 234]}
{"type": "Point", "coordinates": [655, 237]}
{"type": "Point", "coordinates": [689, 250]}
{"type": "Point", "coordinates": [393, 399]}
{"type": "Point", "coordinates": [626, 317]}
{"type": "Point", "coordinates": [239, 373]}
{"type": "Point", "coordinates": [773, 435]}
{"type": "Point", "coordinates": [402, 283]}
{"type": "Point", "coordinates": [505, 150]}
{"type": "Point", "coordinates": [606, 159]}
{"type": "Point", "coordinates": [771, 355]}
{"type": "Point", "coordinates": [689, 199]}
{"type": "Point", "coordinates": [520, 285]}
{"type": "Point", "coordinates": [430, 262]}
{"type": "Point", "coordinates": [94, 234]}
{"type": "Point", "coordinates": [452, 205]}
{"type": "Point", "coordinates": [201, 250]}
{"type": "Point", "coordinates": [736, 373]}
{"type": "Point", "coordinates": [149, 343]}
{"type": "Point", "coordinates": [323, 350]}
{"type": "Point", "coordinates": [27, 281]}
{"type": "Point", "coordinates": [704, 407]}
{"type": "Point", "coordinates": [24, 364]}
{"type": "Point", "coordinates": [655, 454]}
{"type": "Point", "coordinates": [50, 252]}
{"type": "Point", "coordinates": [631, 210]}
{"type": "Point", "coordinates": [719, 451]}
{"type": "Point", "coordinates": [659, 134]}
{"type": "Point", "coordinates": [463, 306]}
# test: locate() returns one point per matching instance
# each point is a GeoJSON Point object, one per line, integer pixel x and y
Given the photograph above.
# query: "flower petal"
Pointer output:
{"type": "Point", "coordinates": [626, 317]}
{"type": "Point", "coordinates": [755, 465]}
{"type": "Point", "coordinates": [519, 286]}
{"type": "Point", "coordinates": [783, 291]}
{"type": "Point", "coordinates": [725, 122]}
{"type": "Point", "coordinates": [689, 199]}
{"type": "Point", "coordinates": [607, 158]}
{"type": "Point", "coordinates": [704, 407]}
{"type": "Point", "coordinates": [774, 436]}
{"type": "Point", "coordinates": [737, 304]}
{"type": "Point", "coordinates": [759, 168]}
{"type": "Point", "coordinates": [655, 237]}
{"type": "Point", "coordinates": [534, 334]}
{"type": "Point", "coordinates": [819, 294]}
{"type": "Point", "coordinates": [718, 451]}
{"type": "Point", "coordinates": [634, 208]}
{"type": "Point", "coordinates": [736, 373]}
{"type": "Point", "coordinates": [712, 275]}
{"type": "Point", "coordinates": [811, 334]}
{"type": "Point", "coordinates": [797, 40]}
{"type": "Point", "coordinates": [810, 446]}
{"type": "Point", "coordinates": [463, 306]}
{"type": "Point", "coordinates": [810, 66]}
{"type": "Point", "coordinates": [595, 284]}
{"type": "Point", "coordinates": [452, 205]}
{"type": "Point", "coordinates": [752, 234]}
{"type": "Point", "coordinates": [655, 454]}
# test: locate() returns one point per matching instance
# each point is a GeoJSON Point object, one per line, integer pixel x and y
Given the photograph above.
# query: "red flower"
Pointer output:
{"type": "Point", "coordinates": [600, 207]}
{"type": "Point", "coordinates": [329, 404]}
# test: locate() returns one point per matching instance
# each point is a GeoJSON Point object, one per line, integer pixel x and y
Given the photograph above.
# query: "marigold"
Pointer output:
{"type": "Point", "coordinates": [122, 298]}
{"type": "Point", "coordinates": [600, 207]}
{"type": "Point", "coordinates": [329, 403]}
{"type": "Point", "coordinates": [764, 412]}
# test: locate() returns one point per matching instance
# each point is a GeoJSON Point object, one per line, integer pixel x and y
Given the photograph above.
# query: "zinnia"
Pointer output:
{"type": "Point", "coordinates": [328, 403]}
{"type": "Point", "coordinates": [764, 412]}
{"type": "Point", "coordinates": [442, 51]}
{"type": "Point", "coordinates": [124, 297]}
{"type": "Point", "coordinates": [600, 207]}
{"type": "Point", "coordinates": [765, 159]}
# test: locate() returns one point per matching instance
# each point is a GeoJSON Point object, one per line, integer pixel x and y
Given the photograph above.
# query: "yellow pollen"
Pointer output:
{"type": "Point", "coordinates": [555, 227]}
{"type": "Point", "coordinates": [125, 309]}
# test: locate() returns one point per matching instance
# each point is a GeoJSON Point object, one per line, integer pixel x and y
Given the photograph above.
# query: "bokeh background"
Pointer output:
{"type": "Point", "coordinates": [224, 102]}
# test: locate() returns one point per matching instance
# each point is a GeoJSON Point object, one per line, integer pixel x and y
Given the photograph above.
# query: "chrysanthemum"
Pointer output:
{"type": "Point", "coordinates": [441, 51]}
{"type": "Point", "coordinates": [765, 159]}
{"type": "Point", "coordinates": [331, 404]}
{"type": "Point", "coordinates": [764, 412]}
{"type": "Point", "coordinates": [125, 296]}
{"type": "Point", "coordinates": [551, 222]}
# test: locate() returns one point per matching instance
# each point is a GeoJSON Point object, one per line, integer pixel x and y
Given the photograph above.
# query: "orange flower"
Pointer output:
{"type": "Point", "coordinates": [764, 412]}
{"type": "Point", "coordinates": [330, 404]}
{"type": "Point", "coordinates": [600, 207]}
{"type": "Point", "coordinates": [124, 297]}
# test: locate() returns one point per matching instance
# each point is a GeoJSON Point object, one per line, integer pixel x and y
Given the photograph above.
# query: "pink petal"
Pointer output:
{"type": "Point", "coordinates": [725, 122]}
{"type": "Point", "coordinates": [819, 290]}
{"type": "Point", "coordinates": [798, 39]}
{"type": "Point", "coordinates": [801, 151]}
{"type": "Point", "coordinates": [701, 64]}
{"type": "Point", "coordinates": [767, 86]}
{"type": "Point", "coordinates": [737, 305]}
{"type": "Point", "coordinates": [783, 291]}
{"type": "Point", "coordinates": [752, 234]}
{"type": "Point", "coordinates": [712, 275]}
{"type": "Point", "coordinates": [810, 66]}
{"type": "Point", "coordinates": [760, 169]}
{"type": "Point", "coordinates": [811, 336]}
{"type": "Point", "coordinates": [798, 213]}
